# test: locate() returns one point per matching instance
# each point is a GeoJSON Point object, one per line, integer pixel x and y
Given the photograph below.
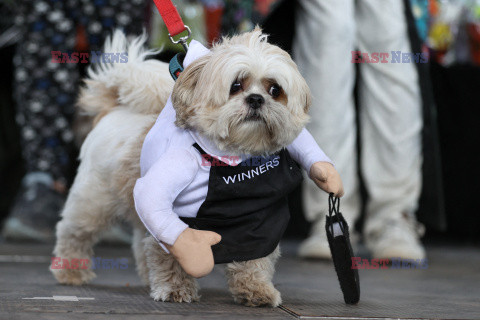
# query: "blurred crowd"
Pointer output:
{"type": "Point", "coordinates": [325, 34]}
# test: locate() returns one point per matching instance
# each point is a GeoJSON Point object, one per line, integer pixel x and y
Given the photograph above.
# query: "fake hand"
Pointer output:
{"type": "Point", "coordinates": [193, 250]}
{"type": "Point", "coordinates": [327, 178]}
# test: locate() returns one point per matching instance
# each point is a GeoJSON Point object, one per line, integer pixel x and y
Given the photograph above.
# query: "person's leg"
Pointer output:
{"type": "Point", "coordinates": [100, 18]}
{"type": "Point", "coordinates": [44, 93]}
{"type": "Point", "coordinates": [324, 39]}
{"type": "Point", "coordinates": [391, 123]}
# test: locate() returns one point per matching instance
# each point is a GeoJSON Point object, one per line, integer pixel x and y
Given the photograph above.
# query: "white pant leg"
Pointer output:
{"type": "Point", "coordinates": [390, 115]}
{"type": "Point", "coordinates": [325, 36]}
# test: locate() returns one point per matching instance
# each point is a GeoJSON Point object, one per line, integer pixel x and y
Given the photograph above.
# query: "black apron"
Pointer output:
{"type": "Point", "coordinates": [247, 205]}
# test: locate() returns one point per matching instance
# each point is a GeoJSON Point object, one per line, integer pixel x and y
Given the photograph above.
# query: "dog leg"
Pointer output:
{"type": "Point", "coordinates": [88, 211]}
{"type": "Point", "coordinates": [168, 281]}
{"type": "Point", "coordinates": [138, 248]}
{"type": "Point", "coordinates": [250, 282]}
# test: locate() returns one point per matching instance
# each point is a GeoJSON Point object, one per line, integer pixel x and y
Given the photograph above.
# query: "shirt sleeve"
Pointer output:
{"type": "Point", "coordinates": [156, 191]}
{"type": "Point", "coordinates": [305, 150]}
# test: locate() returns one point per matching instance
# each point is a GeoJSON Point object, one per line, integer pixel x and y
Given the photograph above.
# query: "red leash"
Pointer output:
{"type": "Point", "coordinates": [173, 21]}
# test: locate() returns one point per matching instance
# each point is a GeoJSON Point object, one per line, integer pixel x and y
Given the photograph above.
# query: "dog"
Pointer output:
{"type": "Point", "coordinates": [213, 96]}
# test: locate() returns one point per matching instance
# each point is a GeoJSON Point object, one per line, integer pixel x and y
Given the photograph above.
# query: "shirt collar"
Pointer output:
{"type": "Point", "coordinates": [211, 149]}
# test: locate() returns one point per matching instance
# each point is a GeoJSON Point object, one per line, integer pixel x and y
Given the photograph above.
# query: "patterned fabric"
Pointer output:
{"type": "Point", "coordinates": [45, 91]}
{"type": "Point", "coordinates": [243, 15]}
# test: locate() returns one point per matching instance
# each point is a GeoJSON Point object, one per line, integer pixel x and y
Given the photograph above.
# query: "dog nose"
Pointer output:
{"type": "Point", "coordinates": [255, 101]}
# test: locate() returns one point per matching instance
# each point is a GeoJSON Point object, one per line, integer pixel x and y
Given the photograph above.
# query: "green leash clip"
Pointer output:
{"type": "Point", "coordinates": [176, 65]}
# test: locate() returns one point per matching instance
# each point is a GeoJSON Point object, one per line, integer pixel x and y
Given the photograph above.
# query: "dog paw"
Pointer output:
{"type": "Point", "coordinates": [260, 295]}
{"type": "Point", "coordinates": [73, 276]}
{"type": "Point", "coordinates": [184, 294]}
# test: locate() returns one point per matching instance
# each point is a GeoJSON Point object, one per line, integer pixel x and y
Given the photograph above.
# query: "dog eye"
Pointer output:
{"type": "Point", "coordinates": [275, 90]}
{"type": "Point", "coordinates": [236, 86]}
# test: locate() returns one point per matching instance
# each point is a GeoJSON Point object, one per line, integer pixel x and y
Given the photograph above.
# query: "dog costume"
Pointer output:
{"type": "Point", "coordinates": [187, 182]}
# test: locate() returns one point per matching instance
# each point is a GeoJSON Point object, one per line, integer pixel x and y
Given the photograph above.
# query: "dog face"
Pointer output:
{"type": "Point", "coordinates": [246, 95]}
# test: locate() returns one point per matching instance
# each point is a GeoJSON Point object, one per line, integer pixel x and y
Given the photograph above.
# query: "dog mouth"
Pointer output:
{"type": "Point", "coordinates": [253, 116]}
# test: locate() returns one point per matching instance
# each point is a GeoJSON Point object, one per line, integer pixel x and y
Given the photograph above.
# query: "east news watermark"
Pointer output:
{"type": "Point", "coordinates": [89, 57]}
{"type": "Point", "coordinates": [224, 161]}
{"type": "Point", "coordinates": [392, 263]}
{"type": "Point", "coordinates": [394, 57]}
{"type": "Point", "coordinates": [95, 263]}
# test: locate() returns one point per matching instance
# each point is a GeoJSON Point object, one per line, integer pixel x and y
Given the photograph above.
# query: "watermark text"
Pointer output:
{"type": "Point", "coordinates": [393, 263]}
{"type": "Point", "coordinates": [389, 57]}
{"type": "Point", "coordinates": [96, 263]}
{"type": "Point", "coordinates": [92, 56]}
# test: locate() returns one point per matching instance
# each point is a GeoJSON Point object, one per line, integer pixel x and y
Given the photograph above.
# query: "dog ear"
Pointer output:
{"type": "Point", "coordinates": [307, 97]}
{"type": "Point", "coordinates": [184, 95]}
{"type": "Point", "coordinates": [304, 94]}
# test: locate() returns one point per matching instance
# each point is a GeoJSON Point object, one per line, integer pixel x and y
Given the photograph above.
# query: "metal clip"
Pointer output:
{"type": "Point", "coordinates": [182, 40]}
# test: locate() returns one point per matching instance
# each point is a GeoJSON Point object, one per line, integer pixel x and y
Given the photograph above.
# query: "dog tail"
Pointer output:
{"type": "Point", "coordinates": [122, 76]}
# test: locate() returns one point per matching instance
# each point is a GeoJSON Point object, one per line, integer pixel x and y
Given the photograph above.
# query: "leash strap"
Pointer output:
{"type": "Point", "coordinates": [170, 16]}
{"type": "Point", "coordinates": [342, 253]}
{"type": "Point", "coordinates": [173, 21]}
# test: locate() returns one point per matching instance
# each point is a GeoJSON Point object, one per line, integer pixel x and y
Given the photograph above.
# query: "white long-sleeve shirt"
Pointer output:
{"type": "Point", "coordinates": [174, 179]}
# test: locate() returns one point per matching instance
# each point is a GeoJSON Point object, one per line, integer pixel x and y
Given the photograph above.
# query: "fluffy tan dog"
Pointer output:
{"type": "Point", "coordinates": [125, 99]}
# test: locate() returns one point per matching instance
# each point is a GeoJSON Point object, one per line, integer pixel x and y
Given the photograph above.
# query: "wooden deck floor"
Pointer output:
{"type": "Point", "coordinates": [448, 289]}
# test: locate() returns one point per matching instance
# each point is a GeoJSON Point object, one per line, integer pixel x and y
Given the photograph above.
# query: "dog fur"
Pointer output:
{"type": "Point", "coordinates": [123, 101]}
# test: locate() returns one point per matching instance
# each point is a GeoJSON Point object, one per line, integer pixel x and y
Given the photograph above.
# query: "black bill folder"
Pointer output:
{"type": "Point", "coordinates": [342, 253]}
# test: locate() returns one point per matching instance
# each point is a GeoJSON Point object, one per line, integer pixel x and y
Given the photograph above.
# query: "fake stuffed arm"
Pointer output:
{"type": "Point", "coordinates": [315, 162]}
{"type": "Point", "coordinates": [154, 194]}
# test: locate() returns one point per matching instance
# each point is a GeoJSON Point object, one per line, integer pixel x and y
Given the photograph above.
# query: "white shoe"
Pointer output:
{"type": "Point", "coordinates": [315, 247]}
{"type": "Point", "coordinates": [399, 238]}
